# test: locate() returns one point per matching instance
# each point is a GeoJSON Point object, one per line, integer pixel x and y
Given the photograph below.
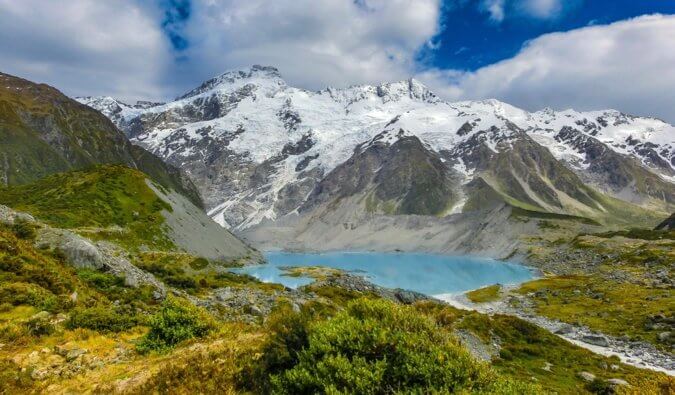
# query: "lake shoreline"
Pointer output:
{"type": "Point", "coordinates": [427, 273]}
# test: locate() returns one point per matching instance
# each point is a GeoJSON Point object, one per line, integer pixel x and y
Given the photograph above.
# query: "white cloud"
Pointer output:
{"type": "Point", "coordinates": [314, 43]}
{"type": "Point", "coordinates": [499, 10]}
{"type": "Point", "coordinates": [84, 47]}
{"type": "Point", "coordinates": [628, 65]}
{"type": "Point", "coordinates": [495, 8]}
{"type": "Point", "coordinates": [542, 9]}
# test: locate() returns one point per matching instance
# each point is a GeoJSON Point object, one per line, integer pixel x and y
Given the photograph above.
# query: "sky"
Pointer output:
{"type": "Point", "coordinates": [582, 54]}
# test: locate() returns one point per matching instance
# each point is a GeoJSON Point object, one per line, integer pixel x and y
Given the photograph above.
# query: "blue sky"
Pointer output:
{"type": "Point", "coordinates": [471, 38]}
{"type": "Point", "coordinates": [585, 54]}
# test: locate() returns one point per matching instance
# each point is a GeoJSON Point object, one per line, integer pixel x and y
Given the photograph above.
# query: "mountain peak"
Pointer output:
{"type": "Point", "coordinates": [255, 72]}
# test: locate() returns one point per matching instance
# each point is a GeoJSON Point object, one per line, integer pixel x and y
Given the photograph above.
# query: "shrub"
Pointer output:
{"type": "Point", "coordinates": [19, 293]}
{"type": "Point", "coordinates": [199, 263]}
{"type": "Point", "coordinates": [11, 263]}
{"type": "Point", "coordinates": [40, 325]}
{"type": "Point", "coordinates": [176, 321]}
{"type": "Point", "coordinates": [23, 229]}
{"type": "Point", "coordinates": [600, 387]}
{"type": "Point", "coordinates": [102, 318]}
{"type": "Point", "coordinates": [102, 281]}
{"type": "Point", "coordinates": [181, 281]}
{"type": "Point", "coordinates": [375, 347]}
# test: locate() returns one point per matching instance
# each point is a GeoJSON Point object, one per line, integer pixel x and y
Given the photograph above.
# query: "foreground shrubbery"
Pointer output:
{"type": "Point", "coordinates": [102, 319]}
{"type": "Point", "coordinates": [177, 320]}
{"type": "Point", "coordinates": [373, 347]}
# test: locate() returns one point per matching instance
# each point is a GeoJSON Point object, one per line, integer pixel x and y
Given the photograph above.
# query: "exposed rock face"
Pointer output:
{"type": "Point", "coordinates": [619, 173]}
{"type": "Point", "coordinates": [596, 340]}
{"type": "Point", "coordinates": [83, 253]}
{"type": "Point", "coordinates": [667, 224]}
{"type": "Point", "coordinates": [401, 178]}
{"type": "Point", "coordinates": [9, 216]}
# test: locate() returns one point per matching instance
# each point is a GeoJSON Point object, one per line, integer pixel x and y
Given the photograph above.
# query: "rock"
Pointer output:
{"type": "Point", "coordinates": [296, 308]}
{"type": "Point", "coordinates": [664, 336]}
{"type": "Point", "coordinates": [9, 216]}
{"type": "Point", "coordinates": [586, 376]}
{"type": "Point", "coordinates": [81, 253]}
{"type": "Point", "coordinates": [564, 329]}
{"type": "Point", "coordinates": [255, 310]}
{"type": "Point", "coordinates": [596, 340]}
{"type": "Point", "coordinates": [74, 353]}
{"type": "Point", "coordinates": [42, 316]}
{"type": "Point", "coordinates": [408, 297]}
{"type": "Point", "coordinates": [618, 382]}
{"type": "Point", "coordinates": [614, 368]}
{"type": "Point", "coordinates": [61, 350]}
{"type": "Point", "coordinates": [39, 374]}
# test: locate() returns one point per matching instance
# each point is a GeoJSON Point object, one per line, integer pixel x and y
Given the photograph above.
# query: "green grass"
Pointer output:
{"type": "Point", "coordinates": [614, 282]}
{"type": "Point", "coordinates": [195, 275]}
{"type": "Point", "coordinates": [485, 294]}
{"type": "Point", "coordinates": [610, 307]}
{"type": "Point", "coordinates": [640, 233]}
{"type": "Point", "coordinates": [99, 198]}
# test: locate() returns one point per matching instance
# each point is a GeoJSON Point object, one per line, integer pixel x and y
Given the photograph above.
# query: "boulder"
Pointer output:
{"type": "Point", "coordinates": [564, 329]}
{"type": "Point", "coordinates": [596, 340]}
{"type": "Point", "coordinates": [618, 382]}
{"type": "Point", "coordinates": [664, 336]}
{"type": "Point", "coordinates": [586, 376]}
{"type": "Point", "coordinates": [72, 354]}
{"type": "Point", "coordinates": [9, 216]}
{"type": "Point", "coordinates": [81, 253]}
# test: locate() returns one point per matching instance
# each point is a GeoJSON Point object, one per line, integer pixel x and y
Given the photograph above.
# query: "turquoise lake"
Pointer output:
{"type": "Point", "coordinates": [426, 273]}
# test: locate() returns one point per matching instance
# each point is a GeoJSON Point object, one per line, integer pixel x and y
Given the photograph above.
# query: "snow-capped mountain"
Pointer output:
{"type": "Point", "coordinates": [261, 150]}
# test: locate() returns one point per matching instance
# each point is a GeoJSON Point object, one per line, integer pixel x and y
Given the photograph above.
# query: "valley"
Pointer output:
{"type": "Point", "coordinates": [247, 236]}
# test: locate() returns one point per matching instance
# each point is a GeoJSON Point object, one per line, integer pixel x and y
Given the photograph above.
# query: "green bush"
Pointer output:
{"type": "Point", "coordinates": [19, 293]}
{"type": "Point", "coordinates": [102, 281]}
{"type": "Point", "coordinates": [23, 229]}
{"type": "Point", "coordinates": [39, 326]}
{"type": "Point", "coordinates": [376, 347]}
{"type": "Point", "coordinates": [177, 320]}
{"type": "Point", "coordinates": [600, 387]}
{"type": "Point", "coordinates": [181, 281]}
{"type": "Point", "coordinates": [199, 263]}
{"type": "Point", "coordinates": [102, 319]}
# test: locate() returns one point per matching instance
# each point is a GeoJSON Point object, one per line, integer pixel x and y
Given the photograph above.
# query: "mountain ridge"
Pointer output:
{"type": "Point", "coordinates": [258, 148]}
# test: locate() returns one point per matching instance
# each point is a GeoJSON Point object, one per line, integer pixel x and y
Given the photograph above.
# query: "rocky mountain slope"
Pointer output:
{"type": "Point", "coordinates": [268, 156]}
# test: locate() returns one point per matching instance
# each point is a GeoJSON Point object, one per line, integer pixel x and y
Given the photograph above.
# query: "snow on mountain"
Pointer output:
{"type": "Point", "coordinates": [284, 138]}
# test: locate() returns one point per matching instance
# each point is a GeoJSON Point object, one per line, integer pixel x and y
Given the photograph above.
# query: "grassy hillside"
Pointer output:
{"type": "Point", "coordinates": [43, 132]}
{"type": "Point", "coordinates": [98, 201]}
{"type": "Point", "coordinates": [74, 331]}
